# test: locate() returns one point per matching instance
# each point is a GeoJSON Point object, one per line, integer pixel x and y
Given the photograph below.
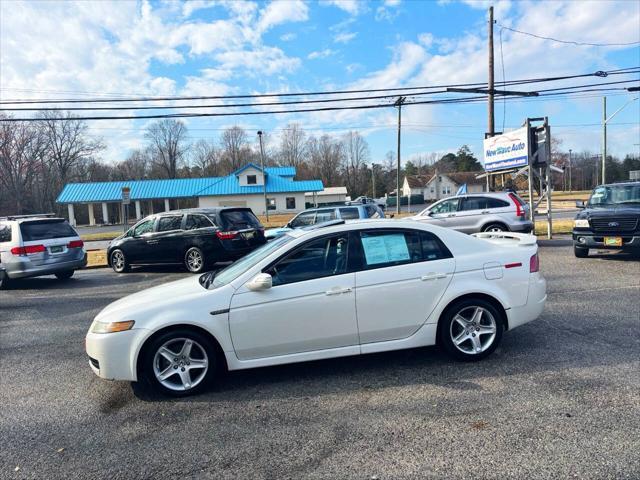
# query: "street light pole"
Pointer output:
{"type": "Point", "coordinates": [264, 176]}
{"type": "Point", "coordinates": [569, 169]}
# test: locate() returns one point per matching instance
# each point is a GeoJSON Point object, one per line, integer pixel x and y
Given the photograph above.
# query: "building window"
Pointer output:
{"type": "Point", "coordinates": [446, 190]}
{"type": "Point", "coordinates": [252, 180]}
{"type": "Point", "coordinates": [291, 203]}
{"type": "Point", "coordinates": [271, 203]}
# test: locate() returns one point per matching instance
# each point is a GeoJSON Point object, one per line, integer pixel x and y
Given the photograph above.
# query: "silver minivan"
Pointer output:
{"type": "Point", "coordinates": [36, 245]}
{"type": "Point", "coordinates": [480, 212]}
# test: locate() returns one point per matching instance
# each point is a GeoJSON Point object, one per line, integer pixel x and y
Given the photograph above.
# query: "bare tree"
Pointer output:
{"type": "Point", "coordinates": [235, 147]}
{"type": "Point", "coordinates": [326, 157]}
{"type": "Point", "coordinates": [206, 157]}
{"type": "Point", "coordinates": [67, 143]}
{"type": "Point", "coordinates": [167, 145]}
{"type": "Point", "coordinates": [355, 158]}
{"type": "Point", "coordinates": [134, 167]}
{"type": "Point", "coordinates": [293, 146]}
{"type": "Point", "coordinates": [21, 146]}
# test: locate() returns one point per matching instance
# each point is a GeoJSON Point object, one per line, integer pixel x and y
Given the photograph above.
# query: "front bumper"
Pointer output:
{"type": "Point", "coordinates": [113, 356]}
{"type": "Point", "coordinates": [588, 239]}
{"type": "Point", "coordinates": [24, 268]}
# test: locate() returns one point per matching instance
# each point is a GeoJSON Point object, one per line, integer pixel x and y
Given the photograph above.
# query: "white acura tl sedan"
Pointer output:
{"type": "Point", "coordinates": [341, 289]}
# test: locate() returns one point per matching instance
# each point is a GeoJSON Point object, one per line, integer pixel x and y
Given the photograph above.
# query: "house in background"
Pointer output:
{"type": "Point", "coordinates": [328, 196]}
{"type": "Point", "coordinates": [442, 185]}
{"type": "Point", "coordinates": [242, 188]}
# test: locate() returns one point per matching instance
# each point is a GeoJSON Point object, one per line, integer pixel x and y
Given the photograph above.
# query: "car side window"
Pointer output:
{"type": "Point", "coordinates": [325, 215]}
{"type": "Point", "coordinates": [5, 233]}
{"type": "Point", "coordinates": [372, 212]}
{"type": "Point", "coordinates": [446, 206]}
{"type": "Point", "coordinates": [496, 203]}
{"type": "Point", "coordinates": [197, 221]}
{"type": "Point", "coordinates": [144, 227]}
{"type": "Point", "coordinates": [474, 203]}
{"type": "Point", "coordinates": [322, 257]}
{"type": "Point", "coordinates": [386, 248]}
{"type": "Point", "coordinates": [349, 213]}
{"type": "Point", "coordinates": [169, 223]}
{"type": "Point", "coordinates": [302, 220]}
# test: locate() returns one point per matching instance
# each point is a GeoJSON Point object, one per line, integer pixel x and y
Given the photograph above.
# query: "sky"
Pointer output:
{"type": "Point", "coordinates": [106, 48]}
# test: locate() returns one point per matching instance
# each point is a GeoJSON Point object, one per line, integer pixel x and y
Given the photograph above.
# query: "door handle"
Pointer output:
{"type": "Point", "coordinates": [337, 291]}
{"type": "Point", "coordinates": [432, 276]}
{"type": "Point", "coordinates": [451, 215]}
{"type": "Point", "coordinates": [152, 242]}
{"type": "Point", "coordinates": [485, 211]}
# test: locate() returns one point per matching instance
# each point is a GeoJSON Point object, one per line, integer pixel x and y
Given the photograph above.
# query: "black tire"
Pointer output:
{"type": "Point", "coordinates": [495, 227]}
{"type": "Point", "coordinates": [580, 252]}
{"type": "Point", "coordinates": [4, 280]}
{"type": "Point", "coordinates": [175, 338]}
{"type": "Point", "coordinates": [119, 261]}
{"type": "Point", "coordinates": [451, 327]}
{"type": "Point", "coordinates": [194, 260]}
{"type": "Point", "coordinates": [66, 275]}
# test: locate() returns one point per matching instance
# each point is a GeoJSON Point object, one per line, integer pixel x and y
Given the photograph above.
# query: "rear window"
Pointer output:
{"type": "Point", "coordinates": [349, 213]}
{"type": "Point", "coordinates": [497, 203]}
{"type": "Point", "coordinates": [239, 219]}
{"type": "Point", "coordinates": [46, 229]}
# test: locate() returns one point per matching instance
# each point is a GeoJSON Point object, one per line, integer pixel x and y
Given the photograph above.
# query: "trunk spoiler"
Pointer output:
{"type": "Point", "coordinates": [508, 238]}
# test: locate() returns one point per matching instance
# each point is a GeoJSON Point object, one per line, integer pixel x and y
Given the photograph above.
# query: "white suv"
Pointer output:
{"type": "Point", "coordinates": [35, 245]}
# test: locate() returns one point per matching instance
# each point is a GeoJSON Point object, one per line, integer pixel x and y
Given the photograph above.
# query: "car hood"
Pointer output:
{"type": "Point", "coordinates": [598, 212]}
{"type": "Point", "coordinates": [161, 299]}
{"type": "Point", "coordinates": [275, 232]}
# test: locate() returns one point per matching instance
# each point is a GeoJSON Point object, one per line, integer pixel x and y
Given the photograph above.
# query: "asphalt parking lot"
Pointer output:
{"type": "Point", "coordinates": [559, 399]}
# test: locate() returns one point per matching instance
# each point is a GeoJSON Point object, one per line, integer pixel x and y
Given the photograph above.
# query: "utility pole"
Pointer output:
{"type": "Point", "coordinates": [373, 180]}
{"type": "Point", "coordinates": [264, 176]}
{"type": "Point", "coordinates": [491, 120]}
{"type": "Point", "coordinates": [604, 138]}
{"type": "Point", "coordinates": [398, 104]}
{"type": "Point", "coordinates": [570, 170]}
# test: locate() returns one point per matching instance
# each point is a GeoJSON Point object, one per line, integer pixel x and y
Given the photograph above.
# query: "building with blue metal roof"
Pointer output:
{"type": "Point", "coordinates": [245, 187]}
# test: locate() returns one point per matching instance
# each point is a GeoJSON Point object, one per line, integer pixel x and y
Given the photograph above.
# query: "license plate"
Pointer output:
{"type": "Point", "coordinates": [249, 235]}
{"type": "Point", "coordinates": [56, 249]}
{"type": "Point", "coordinates": [613, 241]}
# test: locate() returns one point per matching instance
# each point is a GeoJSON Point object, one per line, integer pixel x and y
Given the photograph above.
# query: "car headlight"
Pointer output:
{"type": "Point", "coordinates": [111, 327]}
{"type": "Point", "coordinates": [581, 223]}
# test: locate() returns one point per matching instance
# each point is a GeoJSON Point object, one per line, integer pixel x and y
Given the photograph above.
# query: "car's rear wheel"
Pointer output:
{"type": "Point", "coordinates": [471, 329]}
{"type": "Point", "coordinates": [4, 280]}
{"type": "Point", "coordinates": [66, 275]}
{"type": "Point", "coordinates": [580, 252]}
{"type": "Point", "coordinates": [119, 262]}
{"type": "Point", "coordinates": [180, 362]}
{"type": "Point", "coordinates": [194, 260]}
{"type": "Point", "coordinates": [495, 227]}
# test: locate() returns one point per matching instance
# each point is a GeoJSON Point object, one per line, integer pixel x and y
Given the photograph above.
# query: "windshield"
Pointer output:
{"type": "Point", "coordinates": [615, 195]}
{"type": "Point", "coordinates": [211, 280]}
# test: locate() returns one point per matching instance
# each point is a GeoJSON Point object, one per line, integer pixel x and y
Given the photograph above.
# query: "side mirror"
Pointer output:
{"type": "Point", "coordinates": [580, 204]}
{"type": "Point", "coordinates": [262, 281]}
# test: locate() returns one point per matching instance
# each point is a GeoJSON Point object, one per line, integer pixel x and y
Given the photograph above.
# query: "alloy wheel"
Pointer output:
{"type": "Point", "coordinates": [117, 260]}
{"type": "Point", "coordinates": [180, 364]}
{"type": "Point", "coordinates": [473, 330]}
{"type": "Point", "coordinates": [194, 260]}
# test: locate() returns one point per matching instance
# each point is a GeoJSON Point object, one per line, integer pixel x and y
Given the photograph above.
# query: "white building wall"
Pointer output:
{"type": "Point", "coordinates": [254, 202]}
{"type": "Point", "coordinates": [242, 178]}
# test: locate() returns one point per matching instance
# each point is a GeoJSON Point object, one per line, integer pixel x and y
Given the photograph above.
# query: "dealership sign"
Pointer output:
{"type": "Point", "coordinates": [509, 150]}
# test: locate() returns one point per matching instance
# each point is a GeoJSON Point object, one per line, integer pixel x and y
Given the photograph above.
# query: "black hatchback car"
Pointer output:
{"type": "Point", "coordinates": [610, 219]}
{"type": "Point", "coordinates": [196, 238]}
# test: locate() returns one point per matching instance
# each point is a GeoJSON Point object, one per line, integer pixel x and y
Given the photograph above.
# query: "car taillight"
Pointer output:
{"type": "Point", "coordinates": [75, 244]}
{"type": "Point", "coordinates": [226, 235]}
{"type": "Point", "coordinates": [519, 206]}
{"type": "Point", "coordinates": [534, 264]}
{"type": "Point", "coordinates": [31, 249]}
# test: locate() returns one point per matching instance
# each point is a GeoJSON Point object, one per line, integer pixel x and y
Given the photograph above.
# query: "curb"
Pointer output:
{"type": "Point", "coordinates": [96, 259]}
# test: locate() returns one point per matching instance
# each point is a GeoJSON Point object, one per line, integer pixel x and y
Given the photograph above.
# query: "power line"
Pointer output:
{"type": "Point", "coordinates": [570, 42]}
{"type": "Point", "coordinates": [401, 90]}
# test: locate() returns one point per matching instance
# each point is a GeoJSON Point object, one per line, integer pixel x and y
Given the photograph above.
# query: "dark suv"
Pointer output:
{"type": "Point", "coordinates": [610, 219]}
{"type": "Point", "coordinates": [196, 237]}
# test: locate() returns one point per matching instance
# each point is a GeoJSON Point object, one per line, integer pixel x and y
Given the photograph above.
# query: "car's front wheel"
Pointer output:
{"type": "Point", "coordinates": [471, 329]}
{"type": "Point", "coordinates": [180, 362]}
{"type": "Point", "coordinates": [119, 262]}
{"type": "Point", "coordinates": [194, 260]}
{"type": "Point", "coordinates": [580, 252]}
{"type": "Point", "coordinates": [66, 275]}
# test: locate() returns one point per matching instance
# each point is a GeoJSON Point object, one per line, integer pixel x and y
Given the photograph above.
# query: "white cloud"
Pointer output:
{"type": "Point", "coordinates": [327, 52]}
{"type": "Point", "coordinates": [352, 7]}
{"type": "Point", "coordinates": [278, 12]}
{"type": "Point", "coordinates": [344, 37]}
{"type": "Point", "coordinates": [264, 60]}
{"type": "Point", "coordinates": [193, 5]}
{"type": "Point", "coordinates": [287, 37]}
{"type": "Point", "coordinates": [388, 10]}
